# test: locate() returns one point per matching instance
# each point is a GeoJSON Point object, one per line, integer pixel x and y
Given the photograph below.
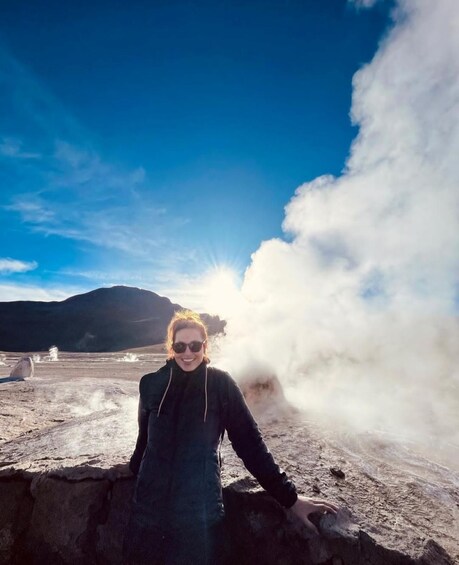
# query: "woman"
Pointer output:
{"type": "Point", "coordinates": [184, 410]}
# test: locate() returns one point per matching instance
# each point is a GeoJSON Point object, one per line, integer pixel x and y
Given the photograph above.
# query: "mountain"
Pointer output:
{"type": "Point", "coordinates": [105, 319]}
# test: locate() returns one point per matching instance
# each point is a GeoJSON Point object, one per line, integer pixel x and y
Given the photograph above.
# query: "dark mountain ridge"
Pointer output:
{"type": "Point", "coordinates": [105, 319]}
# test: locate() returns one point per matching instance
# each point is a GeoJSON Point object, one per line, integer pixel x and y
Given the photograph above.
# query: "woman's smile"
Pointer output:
{"type": "Point", "coordinates": [189, 361]}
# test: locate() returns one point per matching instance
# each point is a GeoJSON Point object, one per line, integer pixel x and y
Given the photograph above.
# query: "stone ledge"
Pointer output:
{"type": "Point", "coordinates": [78, 516]}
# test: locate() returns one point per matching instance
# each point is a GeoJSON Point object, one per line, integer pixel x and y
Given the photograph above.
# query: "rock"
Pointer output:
{"type": "Point", "coordinates": [23, 369]}
{"type": "Point", "coordinates": [15, 510]}
{"type": "Point", "coordinates": [434, 555]}
{"type": "Point", "coordinates": [264, 394]}
{"type": "Point", "coordinates": [336, 472]}
{"type": "Point", "coordinates": [110, 532]}
{"type": "Point", "coordinates": [57, 520]}
{"type": "Point", "coordinates": [63, 522]}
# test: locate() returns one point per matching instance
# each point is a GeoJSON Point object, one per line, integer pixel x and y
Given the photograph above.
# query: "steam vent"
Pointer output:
{"type": "Point", "coordinates": [68, 431]}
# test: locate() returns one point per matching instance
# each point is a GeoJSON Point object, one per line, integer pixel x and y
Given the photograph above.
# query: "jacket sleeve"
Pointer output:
{"type": "Point", "coordinates": [248, 443]}
{"type": "Point", "coordinates": [141, 444]}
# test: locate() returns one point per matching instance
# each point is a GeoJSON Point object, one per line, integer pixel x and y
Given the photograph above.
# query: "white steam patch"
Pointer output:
{"type": "Point", "coordinates": [358, 314]}
{"type": "Point", "coordinates": [129, 358]}
{"type": "Point", "coordinates": [53, 354]}
{"type": "Point", "coordinates": [103, 423]}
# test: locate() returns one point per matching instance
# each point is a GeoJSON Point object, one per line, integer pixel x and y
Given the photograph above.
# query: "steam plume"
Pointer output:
{"type": "Point", "coordinates": [357, 314]}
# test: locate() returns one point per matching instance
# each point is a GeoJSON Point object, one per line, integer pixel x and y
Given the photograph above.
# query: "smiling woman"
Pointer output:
{"type": "Point", "coordinates": [185, 409]}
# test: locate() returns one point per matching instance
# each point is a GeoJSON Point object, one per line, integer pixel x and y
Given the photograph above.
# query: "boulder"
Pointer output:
{"type": "Point", "coordinates": [23, 369]}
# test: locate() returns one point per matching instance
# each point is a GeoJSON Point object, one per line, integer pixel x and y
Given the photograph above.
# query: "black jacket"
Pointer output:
{"type": "Point", "coordinates": [182, 419]}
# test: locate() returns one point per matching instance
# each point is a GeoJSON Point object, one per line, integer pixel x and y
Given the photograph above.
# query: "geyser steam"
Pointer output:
{"type": "Point", "coordinates": [358, 314]}
{"type": "Point", "coordinates": [53, 353]}
{"type": "Point", "coordinates": [129, 358]}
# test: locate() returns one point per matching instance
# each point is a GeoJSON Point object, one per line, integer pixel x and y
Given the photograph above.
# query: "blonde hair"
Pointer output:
{"type": "Point", "coordinates": [181, 320]}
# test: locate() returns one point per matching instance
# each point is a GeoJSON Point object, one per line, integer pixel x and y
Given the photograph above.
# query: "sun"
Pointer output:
{"type": "Point", "coordinates": [221, 291]}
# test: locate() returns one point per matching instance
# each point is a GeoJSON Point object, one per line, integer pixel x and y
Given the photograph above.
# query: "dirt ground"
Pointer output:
{"type": "Point", "coordinates": [79, 404]}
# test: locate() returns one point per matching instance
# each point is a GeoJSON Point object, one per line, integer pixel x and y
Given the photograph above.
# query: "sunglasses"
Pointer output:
{"type": "Point", "coordinates": [194, 346]}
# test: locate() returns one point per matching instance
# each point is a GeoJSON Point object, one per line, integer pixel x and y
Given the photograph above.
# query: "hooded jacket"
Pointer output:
{"type": "Point", "coordinates": [182, 419]}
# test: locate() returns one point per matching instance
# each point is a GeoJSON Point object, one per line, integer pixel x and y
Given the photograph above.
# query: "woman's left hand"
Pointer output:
{"type": "Point", "coordinates": [303, 507]}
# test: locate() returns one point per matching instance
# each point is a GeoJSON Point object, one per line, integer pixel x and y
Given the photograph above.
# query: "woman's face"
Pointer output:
{"type": "Point", "coordinates": [188, 361]}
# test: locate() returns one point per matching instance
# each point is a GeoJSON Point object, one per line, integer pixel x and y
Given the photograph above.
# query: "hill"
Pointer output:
{"type": "Point", "coordinates": [105, 319]}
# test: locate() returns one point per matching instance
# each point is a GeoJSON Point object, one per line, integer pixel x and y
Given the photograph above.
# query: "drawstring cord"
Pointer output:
{"type": "Point", "coordinates": [165, 392]}
{"type": "Point", "coordinates": [167, 388]}
{"type": "Point", "coordinates": [205, 395]}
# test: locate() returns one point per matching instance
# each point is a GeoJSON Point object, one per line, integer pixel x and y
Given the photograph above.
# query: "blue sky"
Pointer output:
{"type": "Point", "coordinates": [151, 142]}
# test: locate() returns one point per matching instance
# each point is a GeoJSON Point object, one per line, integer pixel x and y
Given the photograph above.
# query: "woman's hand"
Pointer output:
{"type": "Point", "coordinates": [303, 507]}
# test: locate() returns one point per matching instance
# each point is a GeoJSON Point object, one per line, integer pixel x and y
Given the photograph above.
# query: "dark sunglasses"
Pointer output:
{"type": "Point", "coordinates": [180, 346]}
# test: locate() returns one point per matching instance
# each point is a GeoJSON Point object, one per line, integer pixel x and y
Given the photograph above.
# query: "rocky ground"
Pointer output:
{"type": "Point", "coordinates": [67, 432]}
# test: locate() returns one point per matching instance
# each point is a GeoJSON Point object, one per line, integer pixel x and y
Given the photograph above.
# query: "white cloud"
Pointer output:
{"type": "Point", "coordinates": [8, 265]}
{"type": "Point", "coordinates": [10, 292]}
{"type": "Point", "coordinates": [78, 168]}
{"type": "Point", "coordinates": [10, 147]}
{"type": "Point", "coordinates": [87, 200]}
{"type": "Point", "coordinates": [106, 277]}
{"type": "Point", "coordinates": [81, 195]}
{"type": "Point", "coordinates": [363, 3]}
{"type": "Point", "coordinates": [102, 229]}
{"type": "Point", "coordinates": [186, 290]}
{"type": "Point", "coordinates": [32, 209]}
{"type": "Point", "coordinates": [358, 314]}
